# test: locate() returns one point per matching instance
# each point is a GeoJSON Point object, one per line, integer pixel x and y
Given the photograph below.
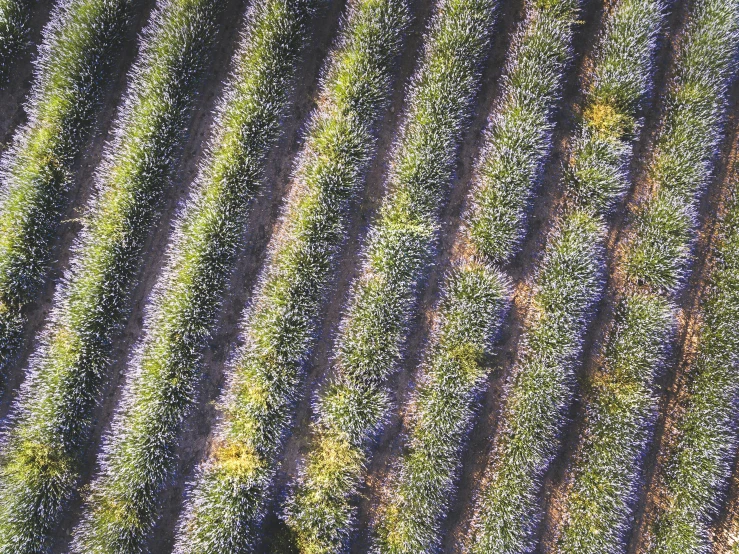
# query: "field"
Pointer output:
{"type": "Point", "coordinates": [352, 276]}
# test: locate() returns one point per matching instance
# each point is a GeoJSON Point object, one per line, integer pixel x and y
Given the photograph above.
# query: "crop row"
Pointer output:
{"type": "Point", "coordinates": [697, 462]}
{"type": "Point", "coordinates": [75, 59]}
{"type": "Point", "coordinates": [475, 293]}
{"type": "Point", "coordinates": [697, 459]}
{"type": "Point", "coordinates": [47, 440]}
{"type": "Point", "coordinates": [231, 489]}
{"type": "Point", "coordinates": [568, 282]}
{"type": "Point", "coordinates": [185, 301]}
{"type": "Point", "coordinates": [400, 246]}
{"type": "Point", "coordinates": [621, 400]}
{"type": "Point", "coordinates": [43, 451]}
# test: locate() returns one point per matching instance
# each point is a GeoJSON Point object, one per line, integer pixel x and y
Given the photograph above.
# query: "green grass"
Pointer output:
{"type": "Point", "coordinates": [399, 251]}
{"type": "Point", "coordinates": [698, 459]}
{"type": "Point", "coordinates": [598, 505]}
{"type": "Point", "coordinates": [42, 456]}
{"type": "Point", "coordinates": [471, 308]}
{"type": "Point", "coordinates": [469, 314]}
{"type": "Point", "coordinates": [621, 402]}
{"type": "Point", "coordinates": [14, 15]}
{"type": "Point", "coordinates": [76, 59]}
{"type": "Point", "coordinates": [232, 488]}
{"type": "Point", "coordinates": [568, 283]}
{"type": "Point", "coordinates": [658, 253]}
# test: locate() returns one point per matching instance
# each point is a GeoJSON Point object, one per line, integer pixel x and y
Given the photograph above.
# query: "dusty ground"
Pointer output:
{"type": "Point", "coordinates": [261, 227]}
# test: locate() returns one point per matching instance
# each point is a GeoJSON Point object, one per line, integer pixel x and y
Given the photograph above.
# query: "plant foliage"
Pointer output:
{"type": "Point", "coordinates": [75, 60]}
{"type": "Point", "coordinates": [621, 403]}
{"type": "Point", "coordinates": [471, 309]}
{"type": "Point", "coordinates": [227, 499]}
{"type": "Point", "coordinates": [568, 284]}
{"type": "Point", "coordinates": [43, 451]}
{"type": "Point", "coordinates": [400, 248]}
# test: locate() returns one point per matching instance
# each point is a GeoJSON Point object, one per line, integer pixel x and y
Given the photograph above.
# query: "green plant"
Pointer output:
{"type": "Point", "coordinates": [471, 309]}
{"type": "Point", "coordinates": [76, 58]}
{"type": "Point", "coordinates": [598, 505]}
{"type": "Point", "coordinates": [469, 314]}
{"type": "Point", "coordinates": [14, 16]}
{"type": "Point", "coordinates": [53, 413]}
{"type": "Point", "coordinates": [519, 136]}
{"type": "Point", "coordinates": [621, 401]}
{"type": "Point", "coordinates": [698, 459]}
{"type": "Point", "coordinates": [399, 251]}
{"type": "Point", "coordinates": [568, 284]}
{"type": "Point", "coordinates": [232, 489]}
